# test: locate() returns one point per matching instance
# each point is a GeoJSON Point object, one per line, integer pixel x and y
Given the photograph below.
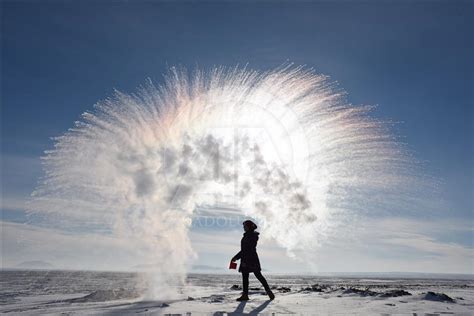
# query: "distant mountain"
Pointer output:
{"type": "Point", "coordinates": [35, 264]}
{"type": "Point", "coordinates": [143, 266]}
{"type": "Point", "coordinates": [203, 267]}
{"type": "Point", "coordinates": [387, 275]}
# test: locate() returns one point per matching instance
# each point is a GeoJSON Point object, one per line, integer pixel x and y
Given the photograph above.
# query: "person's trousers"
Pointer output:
{"type": "Point", "coordinates": [259, 276]}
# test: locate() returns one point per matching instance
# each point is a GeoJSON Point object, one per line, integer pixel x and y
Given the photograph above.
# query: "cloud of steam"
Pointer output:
{"type": "Point", "coordinates": [283, 145]}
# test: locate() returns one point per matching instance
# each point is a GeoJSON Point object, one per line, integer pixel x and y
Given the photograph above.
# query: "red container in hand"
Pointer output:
{"type": "Point", "coordinates": [233, 265]}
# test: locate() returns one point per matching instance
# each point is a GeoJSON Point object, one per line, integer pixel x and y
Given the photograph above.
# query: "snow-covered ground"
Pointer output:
{"type": "Point", "coordinates": [113, 293]}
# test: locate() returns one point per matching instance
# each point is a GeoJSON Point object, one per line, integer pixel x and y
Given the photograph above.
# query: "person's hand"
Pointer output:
{"type": "Point", "coordinates": [233, 260]}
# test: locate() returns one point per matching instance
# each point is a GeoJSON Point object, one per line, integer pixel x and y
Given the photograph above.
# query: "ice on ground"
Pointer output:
{"type": "Point", "coordinates": [113, 293]}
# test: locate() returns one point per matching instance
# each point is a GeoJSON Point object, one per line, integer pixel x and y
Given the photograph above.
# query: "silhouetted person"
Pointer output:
{"type": "Point", "coordinates": [249, 260]}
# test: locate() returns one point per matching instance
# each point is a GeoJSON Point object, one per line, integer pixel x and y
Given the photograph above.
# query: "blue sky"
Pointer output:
{"type": "Point", "coordinates": [411, 59]}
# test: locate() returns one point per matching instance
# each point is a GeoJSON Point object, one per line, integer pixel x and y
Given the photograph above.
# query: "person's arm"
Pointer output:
{"type": "Point", "coordinates": [237, 256]}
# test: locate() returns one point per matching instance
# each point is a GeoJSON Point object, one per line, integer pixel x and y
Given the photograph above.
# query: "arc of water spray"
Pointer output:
{"type": "Point", "coordinates": [285, 143]}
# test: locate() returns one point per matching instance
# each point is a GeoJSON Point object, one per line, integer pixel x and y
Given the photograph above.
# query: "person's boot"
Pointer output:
{"type": "Point", "coordinates": [270, 294]}
{"type": "Point", "coordinates": [244, 297]}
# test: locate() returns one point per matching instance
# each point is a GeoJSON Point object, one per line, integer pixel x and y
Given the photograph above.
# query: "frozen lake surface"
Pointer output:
{"type": "Point", "coordinates": [37, 292]}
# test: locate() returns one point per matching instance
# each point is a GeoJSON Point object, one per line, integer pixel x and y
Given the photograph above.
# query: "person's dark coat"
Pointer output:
{"type": "Point", "coordinates": [248, 253]}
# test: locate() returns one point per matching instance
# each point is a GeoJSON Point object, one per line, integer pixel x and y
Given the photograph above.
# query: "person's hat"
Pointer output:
{"type": "Point", "coordinates": [250, 224]}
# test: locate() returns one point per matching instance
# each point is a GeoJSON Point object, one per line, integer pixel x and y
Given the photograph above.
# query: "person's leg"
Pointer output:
{"type": "Point", "coordinates": [262, 280]}
{"type": "Point", "coordinates": [245, 283]}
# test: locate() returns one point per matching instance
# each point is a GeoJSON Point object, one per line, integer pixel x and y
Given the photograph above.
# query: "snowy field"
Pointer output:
{"type": "Point", "coordinates": [112, 293]}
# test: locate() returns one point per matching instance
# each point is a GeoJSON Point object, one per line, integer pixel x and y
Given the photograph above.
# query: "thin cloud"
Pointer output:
{"type": "Point", "coordinates": [390, 244]}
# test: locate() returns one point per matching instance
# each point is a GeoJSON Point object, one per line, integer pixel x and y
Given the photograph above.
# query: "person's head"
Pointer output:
{"type": "Point", "coordinates": [249, 226]}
